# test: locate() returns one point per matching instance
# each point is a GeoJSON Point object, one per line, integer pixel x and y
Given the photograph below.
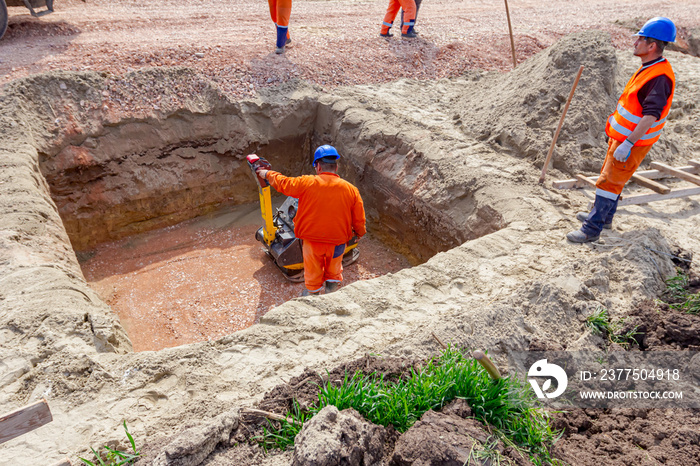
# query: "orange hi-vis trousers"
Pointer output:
{"type": "Point", "coordinates": [409, 14]}
{"type": "Point", "coordinates": [614, 175]}
{"type": "Point", "coordinates": [280, 11]}
{"type": "Point", "coordinates": [322, 262]}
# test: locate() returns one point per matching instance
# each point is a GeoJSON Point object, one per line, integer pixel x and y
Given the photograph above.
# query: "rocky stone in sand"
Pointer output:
{"type": "Point", "coordinates": [339, 438]}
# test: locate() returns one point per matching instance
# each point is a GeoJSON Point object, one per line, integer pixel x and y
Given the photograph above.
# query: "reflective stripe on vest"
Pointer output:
{"type": "Point", "coordinates": [628, 113]}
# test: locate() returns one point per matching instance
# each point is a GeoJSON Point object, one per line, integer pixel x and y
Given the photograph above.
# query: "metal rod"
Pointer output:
{"type": "Point", "coordinates": [512, 42]}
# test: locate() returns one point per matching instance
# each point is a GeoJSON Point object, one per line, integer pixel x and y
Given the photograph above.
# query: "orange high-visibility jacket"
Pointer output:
{"type": "Point", "coordinates": [330, 208]}
{"type": "Point", "coordinates": [629, 111]}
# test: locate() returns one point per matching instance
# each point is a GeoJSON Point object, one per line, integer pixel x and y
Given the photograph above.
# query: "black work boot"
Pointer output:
{"type": "Point", "coordinates": [583, 217]}
{"type": "Point", "coordinates": [332, 286]}
{"type": "Point", "coordinates": [306, 292]}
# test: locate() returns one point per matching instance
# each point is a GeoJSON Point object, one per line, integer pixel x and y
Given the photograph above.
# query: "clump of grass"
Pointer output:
{"type": "Point", "coordinates": [600, 324]}
{"type": "Point", "coordinates": [282, 437]}
{"type": "Point", "coordinates": [507, 404]}
{"type": "Point", "coordinates": [114, 457]}
{"type": "Point", "coordinates": [677, 295]}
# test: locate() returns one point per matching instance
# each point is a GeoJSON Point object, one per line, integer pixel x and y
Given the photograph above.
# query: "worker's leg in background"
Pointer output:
{"type": "Point", "coordinates": [613, 177]}
{"type": "Point", "coordinates": [280, 11]}
{"type": "Point", "coordinates": [391, 12]}
{"type": "Point", "coordinates": [408, 17]}
{"type": "Point", "coordinates": [315, 259]}
{"type": "Point", "coordinates": [403, 20]}
{"type": "Point", "coordinates": [333, 268]}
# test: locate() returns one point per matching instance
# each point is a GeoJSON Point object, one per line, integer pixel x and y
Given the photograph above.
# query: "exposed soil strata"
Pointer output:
{"type": "Point", "coordinates": [500, 291]}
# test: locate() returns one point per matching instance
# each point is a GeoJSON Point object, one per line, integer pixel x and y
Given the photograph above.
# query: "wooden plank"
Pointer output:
{"type": "Point", "coordinates": [651, 184]}
{"type": "Point", "coordinates": [656, 174]}
{"type": "Point", "coordinates": [651, 174]}
{"type": "Point", "coordinates": [651, 197]}
{"type": "Point", "coordinates": [24, 420]}
{"type": "Point", "coordinates": [586, 181]}
{"type": "Point", "coordinates": [662, 167]}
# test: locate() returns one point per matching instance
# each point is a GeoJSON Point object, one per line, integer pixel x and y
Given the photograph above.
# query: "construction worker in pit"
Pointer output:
{"type": "Point", "coordinates": [280, 11]}
{"type": "Point", "coordinates": [634, 126]}
{"type": "Point", "coordinates": [330, 213]}
{"type": "Point", "coordinates": [408, 18]}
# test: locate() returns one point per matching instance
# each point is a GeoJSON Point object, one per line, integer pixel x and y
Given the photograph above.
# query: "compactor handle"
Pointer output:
{"type": "Point", "coordinates": [256, 163]}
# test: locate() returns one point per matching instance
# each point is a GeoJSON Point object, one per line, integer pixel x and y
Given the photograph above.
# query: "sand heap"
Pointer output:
{"type": "Point", "coordinates": [455, 159]}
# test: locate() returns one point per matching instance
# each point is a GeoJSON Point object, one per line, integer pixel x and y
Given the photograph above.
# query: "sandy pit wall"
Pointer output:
{"type": "Point", "coordinates": [499, 291]}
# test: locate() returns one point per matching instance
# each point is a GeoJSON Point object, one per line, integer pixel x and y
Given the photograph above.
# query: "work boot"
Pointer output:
{"type": "Point", "coordinates": [583, 216]}
{"type": "Point", "coordinates": [332, 286]}
{"type": "Point", "coordinates": [580, 237]}
{"type": "Point", "coordinates": [279, 50]}
{"type": "Point", "coordinates": [306, 292]}
{"type": "Point", "coordinates": [409, 35]}
{"type": "Point", "coordinates": [388, 34]}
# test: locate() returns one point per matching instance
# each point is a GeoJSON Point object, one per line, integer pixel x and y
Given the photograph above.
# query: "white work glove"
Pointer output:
{"type": "Point", "coordinates": [623, 151]}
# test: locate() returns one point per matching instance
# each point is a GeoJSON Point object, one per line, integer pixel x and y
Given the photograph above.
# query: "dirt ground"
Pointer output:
{"type": "Point", "coordinates": [232, 42]}
{"type": "Point", "coordinates": [440, 133]}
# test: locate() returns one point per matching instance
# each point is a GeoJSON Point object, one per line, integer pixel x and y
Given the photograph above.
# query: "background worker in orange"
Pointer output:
{"type": "Point", "coordinates": [280, 11]}
{"type": "Point", "coordinates": [408, 17]}
{"type": "Point", "coordinates": [634, 126]}
{"type": "Point", "coordinates": [330, 213]}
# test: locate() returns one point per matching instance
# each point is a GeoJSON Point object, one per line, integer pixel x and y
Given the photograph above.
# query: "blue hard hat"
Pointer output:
{"type": "Point", "coordinates": [659, 28]}
{"type": "Point", "coordinates": [325, 151]}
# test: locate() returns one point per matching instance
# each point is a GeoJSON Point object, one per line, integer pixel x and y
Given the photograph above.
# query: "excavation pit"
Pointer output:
{"type": "Point", "coordinates": [162, 208]}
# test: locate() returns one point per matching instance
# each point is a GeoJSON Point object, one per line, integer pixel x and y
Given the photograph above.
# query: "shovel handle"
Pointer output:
{"type": "Point", "coordinates": [561, 122]}
{"type": "Point", "coordinates": [487, 364]}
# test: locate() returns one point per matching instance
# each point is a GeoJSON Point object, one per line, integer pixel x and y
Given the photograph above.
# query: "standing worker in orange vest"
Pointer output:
{"type": "Point", "coordinates": [330, 213]}
{"type": "Point", "coordinates": [280, 11]}
{"type": "Point", "coordinates": [634, 126]}
{"type": "Point", "coordinates": [408, 18]}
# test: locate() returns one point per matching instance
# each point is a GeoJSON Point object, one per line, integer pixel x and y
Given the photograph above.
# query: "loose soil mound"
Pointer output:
{"type": "Point", "coordinates": [629, 437]}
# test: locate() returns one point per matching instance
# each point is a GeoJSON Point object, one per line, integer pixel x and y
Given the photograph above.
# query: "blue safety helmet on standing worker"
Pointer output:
{"type": "Point", "coordinates": [659, 28]}
{"type": "Point", "coordinates": [325, 151]}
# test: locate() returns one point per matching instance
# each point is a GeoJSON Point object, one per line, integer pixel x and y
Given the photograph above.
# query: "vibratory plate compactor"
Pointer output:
{"type": "Point", "coordinates": [277, 232]}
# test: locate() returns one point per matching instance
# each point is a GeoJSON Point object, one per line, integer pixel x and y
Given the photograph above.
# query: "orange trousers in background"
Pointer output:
{"type": "Point", "coordinates": [409, 14]}
{"type": "Point", "coordinates": [614, 175]}
{"type": "Point", "coordinates": [322, 262]}
{"type": "Point", "coordinates": [280, 11]}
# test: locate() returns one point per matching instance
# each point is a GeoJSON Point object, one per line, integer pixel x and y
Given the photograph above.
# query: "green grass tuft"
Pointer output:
{"type": "Point", "coordinates": [507, 404]}
{"type": "Point", "coordinates": [678, 297]}
{"type": "Point", "coordinates": [600, 324]}
{"type": "Point", "coordinates": [114, 457]}
{"type": "Point", "coordinates": [282, 437]}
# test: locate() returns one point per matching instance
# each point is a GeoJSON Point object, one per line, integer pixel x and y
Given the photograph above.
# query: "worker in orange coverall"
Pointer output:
{"type": "Point", "coordinates": [330, 213]}
{"type": "Point", "coordinates": [408, 18]}
{"type": "Point", "coordinates": [633, 127]}
{"type": "Point", "coordinates": [280, 11]}
{"type": "Point", "coordinates": [415, 18]}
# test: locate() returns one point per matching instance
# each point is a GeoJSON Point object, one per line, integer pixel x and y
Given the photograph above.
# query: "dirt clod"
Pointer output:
{"type": "Point", "coordinates": [338, 438]}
